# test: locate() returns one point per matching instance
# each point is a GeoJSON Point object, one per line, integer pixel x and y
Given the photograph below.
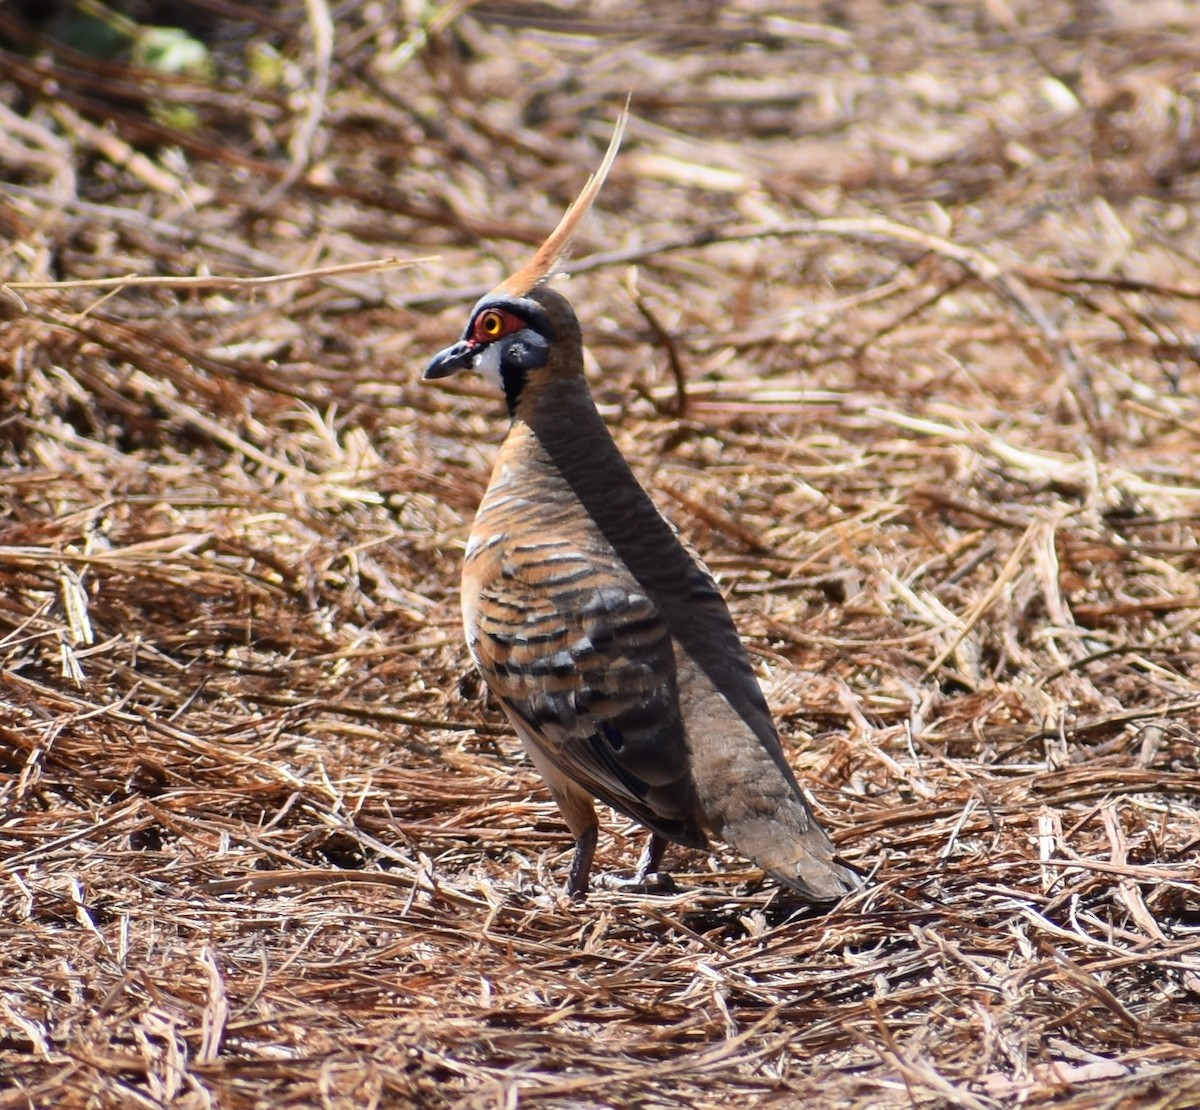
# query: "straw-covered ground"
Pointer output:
{"type": "Point", "coordinates": [895, 309]}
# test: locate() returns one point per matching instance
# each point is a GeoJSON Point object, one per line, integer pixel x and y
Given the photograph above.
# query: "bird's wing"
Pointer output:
{"type": "Point", "coordinates": [582, 660]}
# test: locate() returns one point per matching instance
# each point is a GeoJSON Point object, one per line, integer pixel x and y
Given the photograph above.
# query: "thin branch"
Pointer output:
{"type": "Point", "coordinates": [216, 282]}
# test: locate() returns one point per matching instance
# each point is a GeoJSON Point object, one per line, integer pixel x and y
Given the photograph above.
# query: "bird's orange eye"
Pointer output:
{"type": "Point", "coordinates": [491, 324]}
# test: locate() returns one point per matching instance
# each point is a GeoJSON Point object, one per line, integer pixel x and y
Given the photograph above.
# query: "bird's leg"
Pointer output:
{"type": "Point", "coordinates": [576, 806]}
{"type": "Point", "coordinates": [651, 857]}
{"type": "Point", "coordinates": [581, 864]}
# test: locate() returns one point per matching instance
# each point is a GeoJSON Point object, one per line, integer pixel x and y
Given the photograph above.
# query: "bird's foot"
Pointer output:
{"type": "Point", "coordinates": [655, 882]}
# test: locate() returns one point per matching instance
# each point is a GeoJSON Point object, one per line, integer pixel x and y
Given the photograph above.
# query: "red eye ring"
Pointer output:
{"type": "Point", "coordinates": [491, 324]}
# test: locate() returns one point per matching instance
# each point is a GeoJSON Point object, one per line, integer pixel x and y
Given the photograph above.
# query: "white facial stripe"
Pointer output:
{"type": "Point", "coordinates": [487, 362]}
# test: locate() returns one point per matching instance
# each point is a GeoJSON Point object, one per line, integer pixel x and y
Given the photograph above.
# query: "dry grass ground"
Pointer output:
{"type": "Point", "coordinates": [930, 278]}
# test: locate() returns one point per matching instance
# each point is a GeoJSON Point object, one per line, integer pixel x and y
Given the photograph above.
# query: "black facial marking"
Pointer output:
{"type": "Point", "coordinates": [520, 353]}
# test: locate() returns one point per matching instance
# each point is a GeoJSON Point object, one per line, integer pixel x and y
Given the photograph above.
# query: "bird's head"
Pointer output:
{"type": "Point", "coordinates": [515, 341]}
{"type": "Point", "coordinates": [523, 332]}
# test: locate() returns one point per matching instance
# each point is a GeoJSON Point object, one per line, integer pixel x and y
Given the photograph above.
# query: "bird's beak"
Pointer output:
{"type": "Point", "coordinates": [458, 357]}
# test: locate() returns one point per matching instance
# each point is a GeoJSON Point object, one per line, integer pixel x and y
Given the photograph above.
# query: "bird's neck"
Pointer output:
{"type": "Point", "coordinates": [562, 447]}
{"type": "Point", "coordinates": [559, 431]}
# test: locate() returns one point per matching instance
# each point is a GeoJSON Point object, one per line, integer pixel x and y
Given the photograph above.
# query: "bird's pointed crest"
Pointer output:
{"type": "Point", "coordinates": [542, 265]}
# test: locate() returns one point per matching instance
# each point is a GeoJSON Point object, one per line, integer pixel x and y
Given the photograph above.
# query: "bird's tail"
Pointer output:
{"type": "Point", "coordinates": [815, 873]}
{"type": "Point", "coordinates": [792, 848]}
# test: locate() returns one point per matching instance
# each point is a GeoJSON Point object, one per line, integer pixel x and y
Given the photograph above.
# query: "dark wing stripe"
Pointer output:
{"type": "Point", "coordinates": [602, 749]}
{"type": "Point", "coordinates": [573, 647]}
